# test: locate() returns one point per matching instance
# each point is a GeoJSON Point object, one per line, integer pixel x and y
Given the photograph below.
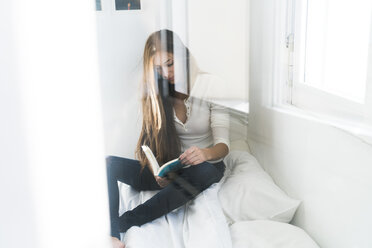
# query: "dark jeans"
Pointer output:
{"type": "Point", "coordinates": [185, 185]}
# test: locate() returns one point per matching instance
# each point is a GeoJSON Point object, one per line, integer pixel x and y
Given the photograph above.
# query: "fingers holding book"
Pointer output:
{"type": "Point", "coordinates": [162, 181]}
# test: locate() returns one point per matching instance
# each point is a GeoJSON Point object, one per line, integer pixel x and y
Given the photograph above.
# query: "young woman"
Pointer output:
{"type": "Point", "coordinates": [178, 121]}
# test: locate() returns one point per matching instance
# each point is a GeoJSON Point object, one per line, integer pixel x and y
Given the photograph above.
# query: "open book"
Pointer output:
{"type": "Point", "coordinates": [163, 170]}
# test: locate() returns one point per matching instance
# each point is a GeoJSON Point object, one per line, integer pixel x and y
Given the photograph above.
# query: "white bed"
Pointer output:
{"type": "Point", "coordinates": [245, 210]}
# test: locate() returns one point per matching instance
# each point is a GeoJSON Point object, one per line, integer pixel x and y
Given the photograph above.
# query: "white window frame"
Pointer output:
{"type": "Point", "coordinates": [309, 97]}
{"type": "Point", "coordinates": [290, 95]}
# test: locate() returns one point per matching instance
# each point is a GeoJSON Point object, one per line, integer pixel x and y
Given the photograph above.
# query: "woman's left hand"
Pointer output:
{"type": "Point", "coordinates": [193, 156]}
{"type": "Point", "coordinates": [162, 181]}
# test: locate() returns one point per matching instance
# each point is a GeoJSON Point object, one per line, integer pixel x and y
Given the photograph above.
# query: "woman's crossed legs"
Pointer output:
{"type": "Point", "coordinates": [186, 184]}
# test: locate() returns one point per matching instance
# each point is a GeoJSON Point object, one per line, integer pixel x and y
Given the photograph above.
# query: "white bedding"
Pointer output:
{"type": "Point", "coordinates": [269, 234]}
{"type": "Point", "coordinates": [248, 193]}
{"type": "Point", "coordinates": [200, 223]}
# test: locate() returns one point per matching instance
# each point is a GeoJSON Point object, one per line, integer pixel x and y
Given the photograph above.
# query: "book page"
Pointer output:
{"type": "Point", "coordinates": [150, 156]}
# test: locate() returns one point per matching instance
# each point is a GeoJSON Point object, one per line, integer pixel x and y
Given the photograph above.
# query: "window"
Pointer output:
{"type": "Point", "coordinates": [329, 45]}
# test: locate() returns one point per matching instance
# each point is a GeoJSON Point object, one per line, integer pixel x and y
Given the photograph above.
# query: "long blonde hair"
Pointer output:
{"type": "Point", "coordinates": [158, 129]}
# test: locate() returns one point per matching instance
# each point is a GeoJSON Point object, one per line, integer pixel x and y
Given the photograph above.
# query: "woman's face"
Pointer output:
{"type": "Point", "coordinates": [164, 64]}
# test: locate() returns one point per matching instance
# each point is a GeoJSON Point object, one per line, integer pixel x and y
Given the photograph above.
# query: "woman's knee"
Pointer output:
{"type": "Point", "coordinates": [111, 163]}
{"type": "Point", "coordinates": [109, 160]}
{"type": "Point", "coordinates": [205, 174]}
{"type": "Point", "coordinates": [115, 165]}
{"type": "Point", "coordinates": [212, 172]}
{"type": "Point", "coordinates": [118, 161]}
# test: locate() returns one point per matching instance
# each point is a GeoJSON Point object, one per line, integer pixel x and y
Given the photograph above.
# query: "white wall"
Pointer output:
{"type": "Point", "coordinates": [326, 168]}
{"type": "Point", "coordinates": [121, 39]}
{"type": "Point", "coordinates": [219, 45]}
{"type": "Point", "coordinates": [219, 39]}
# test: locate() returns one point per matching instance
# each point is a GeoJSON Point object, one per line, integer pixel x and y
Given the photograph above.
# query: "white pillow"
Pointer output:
{"type": "Point", "coordinates": [249, 193]}
{"type": "Point", "coordinates": [269, 234]}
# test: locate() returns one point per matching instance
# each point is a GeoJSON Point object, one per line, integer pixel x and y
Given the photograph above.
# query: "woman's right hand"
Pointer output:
{"type": "Point", "coordinates": [116, 243]}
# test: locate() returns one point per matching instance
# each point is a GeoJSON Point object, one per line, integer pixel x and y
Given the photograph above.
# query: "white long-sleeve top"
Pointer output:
{"type": "Point", "coordinates": [207, 124]}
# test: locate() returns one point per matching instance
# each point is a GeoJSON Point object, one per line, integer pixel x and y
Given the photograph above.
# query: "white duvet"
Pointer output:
{"type": "Point", "coordinates": [248, 193]}
{"type": "Point", "coordinates": [200, 223]}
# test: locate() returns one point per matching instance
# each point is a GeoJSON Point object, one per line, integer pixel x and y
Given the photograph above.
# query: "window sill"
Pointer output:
{"type": "Point", "coordinates": [358, 129]}
{"type": "Point", "coordinates": [239, 106]}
